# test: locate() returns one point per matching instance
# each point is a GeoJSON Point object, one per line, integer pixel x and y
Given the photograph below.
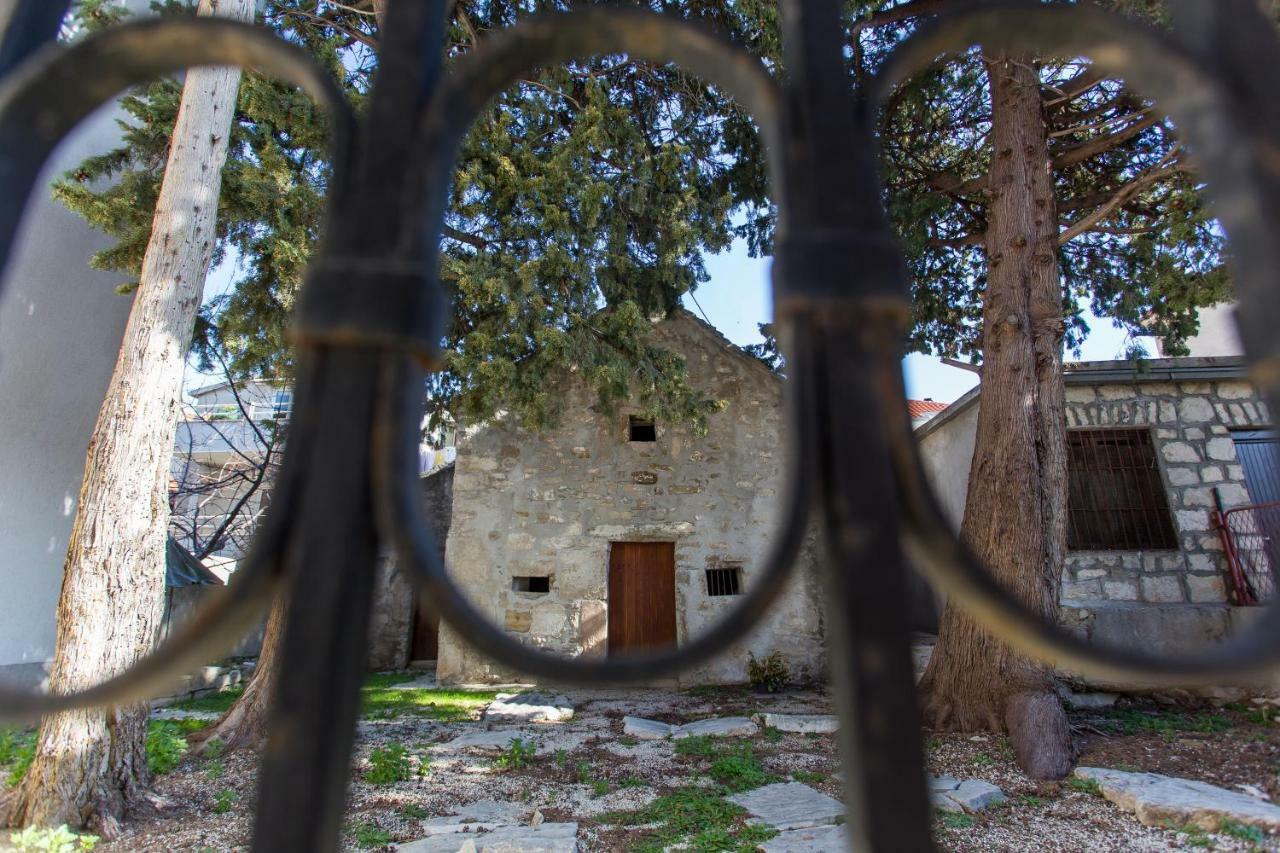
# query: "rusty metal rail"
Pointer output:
{"type": "Point", "coordinates": [1250, 537]}
{"type": "Point", "coordinates": [372, 310]}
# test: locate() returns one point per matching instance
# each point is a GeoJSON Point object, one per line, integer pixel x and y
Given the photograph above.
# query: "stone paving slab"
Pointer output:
{"type": "Point", "coordinates": [820, 839]}
{"type": "Point", "coordinates": [1157, 799]}
{"type": "Point", "coordinates": [717, 727]}
{"type": "Point", "coordinates": [544, 838]}
{"type": "Point", "coordinates": [790, 805]}
{"type": "Point", "coordinates": [824, 724]}
{"type": "Point", "coordinates": [972, 795]}
{"type": "Point", "coordinates": [530, 708]}
{"type": "Point", "coordinates": [639, 727]}
{"type": "Point", "coordinates": [480, 816]}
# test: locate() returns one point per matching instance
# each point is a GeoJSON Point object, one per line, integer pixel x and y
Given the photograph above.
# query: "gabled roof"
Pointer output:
{"type": "Point", "coordinates": [924, 408]}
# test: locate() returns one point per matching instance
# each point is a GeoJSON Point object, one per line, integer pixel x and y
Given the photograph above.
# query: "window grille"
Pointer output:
{"type": "Point", "coordinates": [726, 581]}
{"type": "Point", "coordinates": [1116, 499]}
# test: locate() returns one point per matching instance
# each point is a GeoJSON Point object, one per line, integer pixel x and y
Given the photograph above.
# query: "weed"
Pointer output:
{"type": "Point", "coordinates": [633, 782]}
{"type": "Point", "coordinates": [739, 770]}
{"type": "Point", "coordinates": [1242, 831]}
{"type": "Point", "coordinates": [599, 788]}
{"type": "Point", "coordinates": [933, 744]}
{"type": "Point", "coordinates": [424, 766]}
{"type": "Point", "coordinates": [698, 746]}
{"type": "Point", "coordinates": [1164, 723]}
{"type": "Point", "coordinates": [770, 674]}
{"type": "Point", "coordinates": [1196, 836]}
{"type": "Point", "coordinates": [213, 748]}
{"type": "Point", "coordinates": [772, 735]}
{"type": "Point", "coordinates": [518, 754]}
{"type": "Point", "coordinates": [982, 759]}
{"type": "Point", "coordinates": [584, 772]}
{"type": "Point", "coordinates": [1084, 786]}
{"type": "Point", "coordinates": [165, 745]}
{"type": "Point", "coordinates": [17, 751]}
{"type": "Point", "coordinates": [214, 769]}
{"type": "Point", "coordinates": [1032, 801]}
{"type": "Point", "coordinates": [40, 839]}
{"type": "Point", "coordinates": [562, 758]}
{"type": "Point", "coordinates": [224, 800]}
{"type": "Point", "coordinates": [628, 741]}
{"type": "Point", "coordinates": [388, 764]}
{"type": "Point", "coordinates": [808, 776]}
{"type": "Point", "coordinates": [412, 811]}
{"type": "Point", "coordinates": [956, 820]}
{"type": "Point", "coordinates": [369, 835]}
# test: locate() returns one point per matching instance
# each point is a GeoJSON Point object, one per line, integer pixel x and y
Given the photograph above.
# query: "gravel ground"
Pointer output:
{"type": "Point", "coordinates": [586, 768]}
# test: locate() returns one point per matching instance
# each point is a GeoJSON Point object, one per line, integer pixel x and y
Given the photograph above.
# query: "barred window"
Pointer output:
{"type": "Point", "coordinates": [726, 581]}
{"type": "Point", "coordinates": [1116, 500]}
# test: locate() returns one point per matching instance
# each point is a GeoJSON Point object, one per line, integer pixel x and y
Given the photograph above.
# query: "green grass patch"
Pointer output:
{"type": "Point", "coordinates": [379, 699]}
{"type": "Point", "coordinates": [224, 800]}
{"type": "Point", "coordinates": [772, 735]}
{"type": "Point", "coordinates": [698, 746]}
{"type": "Point", "coordinates": [808, 776]}
{"type": "Point", "coordinates": [1032, 801]}
{"type": "Point", "coordinates": [697, 818]}
{"type": "Point", "coordinates": [1167, 724]}
{"type": "Point", "coordinates": [633, 782]}
{"type": "Point", "coordinates": [1084, 786]}
{"type": "Point", "coordinates": [216, 703]}
{"type": "Point", "coordinates": [1242, 831]}
{"type": "Point", "coordinates": [413, 811]}
{"type": "Point", "coordinates": [368, 835]}
{"type": "Point", "coordinates": [956, 820]}
{"type": "Point", "coordinates": [17, 751]}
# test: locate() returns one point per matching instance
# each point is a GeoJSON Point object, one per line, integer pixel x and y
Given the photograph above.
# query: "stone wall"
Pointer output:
{"type": "Point", "coordinates": [549, 504]}
{"type": "Point", "coordinates": [1191, 423]}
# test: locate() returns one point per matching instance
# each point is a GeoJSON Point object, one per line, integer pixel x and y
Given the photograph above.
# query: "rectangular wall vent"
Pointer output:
{"type": "Point", "coordinates": [726, 581]}
{"type": "Point", "coordinates": [531, 583]}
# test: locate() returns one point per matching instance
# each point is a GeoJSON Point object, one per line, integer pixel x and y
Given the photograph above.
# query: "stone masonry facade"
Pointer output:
{"type": "Point", "coordinates": [1191, 425]}
{"type": "Point", "coordinates": [549, 504]}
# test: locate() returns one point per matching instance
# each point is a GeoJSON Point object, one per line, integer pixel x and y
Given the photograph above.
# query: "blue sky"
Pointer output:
{"type": "Point", "coordinates": [737, 299]}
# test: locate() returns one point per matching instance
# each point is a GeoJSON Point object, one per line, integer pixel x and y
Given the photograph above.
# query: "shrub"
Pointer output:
{"type": "Point", "coordinates": [165, 747]}
{"type": "Point", "coordinates": [517, 754]}
{"type": "Point", "coordinates": [769, 675]}
{"type": "Point", "coordinates": [39, 839]}
{"type": "Point", "coordinates": [388, 764]}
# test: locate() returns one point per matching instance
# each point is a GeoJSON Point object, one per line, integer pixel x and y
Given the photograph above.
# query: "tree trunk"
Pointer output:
{"type": "Point", "coordinates": [1015, 512]}
{"type": "Point", "coordinates": [90, 765]}
{"type": "Point", "coordinates": [244, 725]}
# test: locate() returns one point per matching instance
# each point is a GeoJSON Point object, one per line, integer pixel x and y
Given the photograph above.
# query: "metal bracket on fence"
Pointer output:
{"type": "Point", "coordinates": [366, 336]}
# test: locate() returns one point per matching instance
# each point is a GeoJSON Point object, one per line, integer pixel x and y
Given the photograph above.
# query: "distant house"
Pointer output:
{"type": "Point", "coordinates": [1159, 452]}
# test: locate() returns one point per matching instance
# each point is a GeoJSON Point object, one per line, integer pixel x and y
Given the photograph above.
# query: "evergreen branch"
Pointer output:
{"type": "Point", "coordinates": [903, 12]}
{"type": "Point", "coordinates": [1127, 192]}
{"type": "Point", "coordinates": [1079, 153]}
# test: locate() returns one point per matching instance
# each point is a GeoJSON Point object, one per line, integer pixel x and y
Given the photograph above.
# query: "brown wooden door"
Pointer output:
{"type": "Point", "coordinates": [642, 595]}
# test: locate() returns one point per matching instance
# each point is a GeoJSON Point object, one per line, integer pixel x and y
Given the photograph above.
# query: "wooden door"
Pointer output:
{"type": "Point", "coordinates": [642, 595]}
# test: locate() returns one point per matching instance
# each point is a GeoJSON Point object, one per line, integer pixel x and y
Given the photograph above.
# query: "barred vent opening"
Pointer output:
{"type": "Point", "coordinates": [528, 583]}
{"type": "Point", "coordinates": [724, 581]}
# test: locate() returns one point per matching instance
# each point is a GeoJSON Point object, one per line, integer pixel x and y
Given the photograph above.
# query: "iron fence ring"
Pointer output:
{"type": "Point", "coordinates": [1199, 103]}
{"type": "Point", "coordinates": [40, 103]}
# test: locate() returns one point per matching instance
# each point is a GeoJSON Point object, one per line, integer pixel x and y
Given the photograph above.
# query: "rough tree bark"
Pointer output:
{"type": "Point", "coordinates": [90, 766]}
{"type": "Point", "coordinates": [1015, 511]}
{"type": "Point", "coordinates": [244, 725]}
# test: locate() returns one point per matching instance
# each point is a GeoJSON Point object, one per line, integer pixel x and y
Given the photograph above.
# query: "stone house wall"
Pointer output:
{"type": "Point", "coordinates": [1191, 423]}
{"type": "Point", "coordinates": [548, 504]}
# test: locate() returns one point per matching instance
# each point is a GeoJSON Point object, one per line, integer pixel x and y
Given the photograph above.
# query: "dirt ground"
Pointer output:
{"type": "Point", "coordinates": [646, 795]}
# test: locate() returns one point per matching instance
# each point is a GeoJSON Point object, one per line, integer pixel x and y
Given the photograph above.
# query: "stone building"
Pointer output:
{"type": "Point", "coordinates": [1153, 446]}
{"type": "Point", "coordinates": [611, 532]}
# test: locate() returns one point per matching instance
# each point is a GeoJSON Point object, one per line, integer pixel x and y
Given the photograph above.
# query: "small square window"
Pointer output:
{"type": "Point", "coordinates": [641, 429]}
{"type": "Point", "coordinates": [726, 581]}
{"type": "Point", "coordinates": [531, 583]}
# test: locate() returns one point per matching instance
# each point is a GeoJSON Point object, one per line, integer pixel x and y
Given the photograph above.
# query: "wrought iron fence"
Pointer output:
{"type": "Point", "coordinates": [371, 312]}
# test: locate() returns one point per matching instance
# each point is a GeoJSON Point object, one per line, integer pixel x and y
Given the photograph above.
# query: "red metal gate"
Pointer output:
{"type": "Point", "coordinates": [1251, 539]}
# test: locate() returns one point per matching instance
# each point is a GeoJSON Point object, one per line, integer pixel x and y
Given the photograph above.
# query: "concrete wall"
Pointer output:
{"type": "Point", "coordinates": [60, 329]}
{"type": "Point", "coordinates": [947, 454]}
{"type": "Point", "coordinates": [550, 504]}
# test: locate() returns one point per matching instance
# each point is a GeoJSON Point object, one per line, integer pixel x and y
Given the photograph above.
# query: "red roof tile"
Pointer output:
{"type": "Point", "coordinates": [924, 408]}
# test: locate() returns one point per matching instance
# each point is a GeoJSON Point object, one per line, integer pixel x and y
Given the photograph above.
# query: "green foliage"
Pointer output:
{"type": "Point", "coordinates": [517, 755]}
{"type": "Point", "coordinates": [633, 782]}
{"type": "Point", "coordinates": [696, 818]}
{"type": "Point", "coordinates": [413, 811]}
{"type": "Point", "coordinates": [17, 751]}
{"type": "Point", "coordinates": [1032, 801]}
{"type": "Point", "coordinates": [166, 744]}
{"type": "Point", "coordinates": [772, 734]}
{"type": "Point", "coordinates": [583, 771]}
{"type": "Point", "coordinates": [599, 788]}
{"type": "Point", "coordinates": [39, 839]}
{"type": "Point", "coordinates": [562, 758]}
{"type": "Point", "coordinates": [808, 776]}
{"type": "Point", "coordinates": [697, 746]}
{"type": "Point", "coordinates": [369, 835]}
{"type": "Point", "coordinates": [1084, 786]}
{"type": "Point", "coordinates": [738, 769]}
{"type": "Point", "coordinates": [770, 674]}
{"type": "Point", "coordinates": [1165, 723]}
{"type": "Point", "coordinates": [379, 699]}
{"type": "Point", "coordinates": [388, 764]}
{"type": "Point", "coordinates": [224, 800]}
{"type": "Point", "coordinates": [1242, 831]}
